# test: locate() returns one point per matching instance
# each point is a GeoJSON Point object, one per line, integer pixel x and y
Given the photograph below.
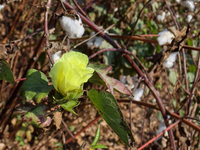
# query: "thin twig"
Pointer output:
{"type": "Point", "coordinates": [157, 136]}
{"type": "Point", "coordinates": [46, 31]}
{"type": "Point", "coordinates": [137, 21]}
{"type": "Point", "coordinates": [94, 35]}
{"type": "Point", "coordinates": [91, 123]}
{"type": "Point", "coordinates": [69, 131]}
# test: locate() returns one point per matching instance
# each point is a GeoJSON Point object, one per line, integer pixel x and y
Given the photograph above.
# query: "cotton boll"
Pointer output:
{"type": "Point", "coordinates": [188, 4]}
{"type": "Point", "coordinates": [161, 17]}
{"type": "Point", "coordinates": [138, 94]}
{"type": "Point", "coordinates": [178, 1]}
{"type": "Point", "coordinates": [165, 37]}
{"type": "Point", "coordinates": [123, 80]}
{"type": "Point", "coordinates": [73, 27]}
{"type": "Point", "coordinates": [95, 41]}
{"type": "Point", "coordinates": [189, 18]}
{"type": "Point", "coordinates": [98, 41]}
{"type": "Point", "coordinates": [168, 14]}
{"type": "Point", "coordinates": [2, 7]}
{"type": "Point", "coordinates": [56, 56]}
{"type": "Point", "coordinates": [161, 127]}
{"type": "Point", "coordinates": [90, 43]}
{"type": "Point", "coordinates": [169, 62]}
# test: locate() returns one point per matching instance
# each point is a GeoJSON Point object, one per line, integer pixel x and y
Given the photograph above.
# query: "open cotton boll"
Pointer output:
{"type": "Point", "coordinates": [169, 62]}
{"type": "Point", "coordinates": [165, 37]}
{"type": "Point", "coordinates": [188, 4]}
{"type": "Point", "coordinates": [189, 18]}
{"type": "Point", "coordinates": [161, 127]}
{"type": "Point", "coordinates": [90, 43]}
{"type": "Point", "coordinates": [161, 17]}
{"type": "Point", "coordinates": [73, 27]}
{"type": "Point", "coordinates": [1, 7]}
{"type": "Point", "coordinates": [98, 41]}
{"type": "Point", "coordinates": [178, 1]}
{"type": "Point", "coordinates": [138, 94]}
{"type": "Point", "coordinates": [95, 41]}
{"type": "Point", "coordinates": [56, 56]}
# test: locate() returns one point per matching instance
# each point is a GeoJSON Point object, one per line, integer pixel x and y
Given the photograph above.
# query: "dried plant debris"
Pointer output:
{"type": "Point", "coordinates": [7, 51]}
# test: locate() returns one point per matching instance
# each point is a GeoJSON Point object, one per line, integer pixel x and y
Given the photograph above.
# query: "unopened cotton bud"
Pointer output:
{"type": "Point", "coordinates": [165, 37]}
{"type": "Point", "coordinates": [138, 94]}
{"type": "Point", "coordinates": [169, 62]}
{"type": "Point", "coordinates": [161, 17]}
{"type": "Point", "coordinates": [188, 4]}
{"type": "Point", "coordinates": [73, 27]}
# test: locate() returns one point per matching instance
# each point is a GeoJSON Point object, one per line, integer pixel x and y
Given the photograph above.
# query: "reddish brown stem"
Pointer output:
{"type": "Point", "coordinates": [161, 133]}
{"type": "Point", "coordinates": [91, 123]}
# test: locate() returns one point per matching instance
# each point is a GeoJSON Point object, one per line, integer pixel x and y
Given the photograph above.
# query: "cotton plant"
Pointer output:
{"type": "Point", "coordinates": [169, 62]}
{"type": "Point", "coordinates": [72, 26]}
{"type": "Point", "coordinates": [165, 37]}
{"type": "Point", "coordinates": [68, 75]}
{"type": "Point", "coordinates": [189, 4]}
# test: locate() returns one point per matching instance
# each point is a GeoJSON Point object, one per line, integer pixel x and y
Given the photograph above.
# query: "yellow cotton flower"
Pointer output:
{"type": "Point", "coordinates": [70, 72]}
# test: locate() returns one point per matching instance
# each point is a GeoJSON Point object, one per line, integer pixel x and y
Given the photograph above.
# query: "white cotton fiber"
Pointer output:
{"type": "Point", "coordinates": [188, 4]}
{"type": "Point", "coordinates": [138, 94]}
{"type": "Point", "coordinates": [165, 37]}
{"type": "Point", "coordinates": [169, 62]}
{"type": "Point", "coordinates": [73, 27]}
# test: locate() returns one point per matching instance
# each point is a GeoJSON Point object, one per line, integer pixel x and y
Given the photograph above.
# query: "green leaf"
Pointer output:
{"type": "Point", "coordinates": [100, 146]}
{"type": "Point", "coordinates": [5, 72]}
{"type": "Point", "coordinates": [190, 76]}
{"type": "Point", "coordinates": [37, 116]}
{"type": "Point", "coordinates": [172, 77]}
{"type": "Point", "coordinates": [36, 86]}
{"type": "Point", "coordinates": [42, 58]}
{"type": "Point", "coordinates": [96, 138]}
{"type": "Point", "coordinates": [107, 106]}
{"type": "Point", "coordinates": [20, 139]}
{"type": "Point", "coordinates": [75, 94]}
{"type": "Point", "coordinates": [70, 105]}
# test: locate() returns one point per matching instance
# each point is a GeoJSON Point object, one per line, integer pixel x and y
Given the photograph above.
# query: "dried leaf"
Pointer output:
{"type": "Point", "coordinates": [57, 118]}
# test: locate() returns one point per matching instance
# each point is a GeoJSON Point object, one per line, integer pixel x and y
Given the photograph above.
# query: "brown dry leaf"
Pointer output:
{"type": "Point", "coordinates": [3, 52]}
{"type": "Point", "coordinates": [56, 46]}
{"type": "Point", "coordinates": [57, 118]}
{"type": "Point", "coordinates": [176, 45]}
